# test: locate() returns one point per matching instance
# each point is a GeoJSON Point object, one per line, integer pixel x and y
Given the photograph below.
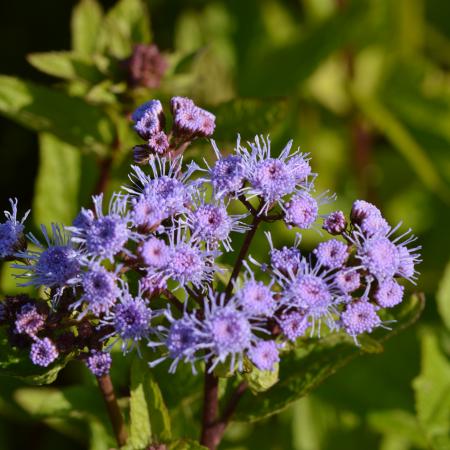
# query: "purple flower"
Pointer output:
{"type": "Point", "coordinates": [159, 143]}
{"type": "Point", "coordinates": [301, 211]}
{"type": "Point", "coordinates": [294, 324]}
{"type": "Point", "coordinates": [104, 235]}
{"type": "Point", "coordinates": [99, 363]}
{"type": "Point", "coordinates": [362, 210]}
{"type": "Point", "coordinates": [408, 260]}
{"type": "Point", "coordinates": [148, 119]}
{"type": "Point", "coordinates": [347, 280]}
{"type": "Point", "coordinates": [256, 298]}
{"type": "Point", "coordinates": [335, 223]}
{"type": "Point", "coordinates": [332, 254]}
{"type": "Point", "coordinates": [56, 264]}
{"type": "Point", "coordinates": [29, 321]}
{"type": "Point", "coordinates": [389, 293]}
{"type": "Point", "coordinates": [287, 259]}
{"type": "Point", "coordinates": [155, 253]}
{"type": "Point", "coordinates": [43, 352]}
{"type": "Point", "coordinates": [100, 290]}
{"type": "Point", "coordinates": [11, 232]}
{"type": "Point", "coordinates": [190, 121]}
{"type": "Point", "coordinates": [299, 166]}
{"type": "Point", "coordinates": [360, 317]}
{"type": "Point", "coordinates": [264, 355]}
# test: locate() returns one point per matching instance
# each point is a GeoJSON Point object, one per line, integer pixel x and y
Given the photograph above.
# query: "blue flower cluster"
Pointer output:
{"type": "Point", "coordinates": [169, 226]}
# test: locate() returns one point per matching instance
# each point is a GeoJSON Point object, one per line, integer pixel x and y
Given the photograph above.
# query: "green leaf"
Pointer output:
{"type": "Point", "coordinates": [57, 184]}
{"type": "Point", "coordinates": [127, 23]}
{"type": "Point", "coordinates": [261, 380]}
{"type": "Point", "coordinates": [42, 109]}
{"type": "Point", "coordinates": [304, 368]}
{"type": "Point", "coordinates": [279, 70]}
{"type": "Point", "coordinates": [66, 65]}
{"type": "Point", "coordinates": [247, 117]}
{"type": "Point", "coordinates": [443, 297]}
{"type": "Point", "coordinates": [432, 392]}
{"type": "Point", "coordinates": [87, 18]}
{"type": "Point", "coordinates": [404, 142]}
{"type": "Point", "coordinates": [149, 418]}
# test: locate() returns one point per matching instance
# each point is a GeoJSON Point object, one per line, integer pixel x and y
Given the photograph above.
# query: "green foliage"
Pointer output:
{"type": "Point", "coordinates": [43, 109]}
{"type": "Point", "coordinates": [149, 418]}
{"type": "Point", "coordinates": [443, 297]}
{"type": "Point", "coordinates": [432, 390]}
{"type": "Point", "coordinates": [86, 21]}
{"type": "Point", "coordinates": [58, 182]}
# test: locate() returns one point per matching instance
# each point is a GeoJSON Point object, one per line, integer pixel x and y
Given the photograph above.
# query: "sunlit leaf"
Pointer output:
{"type": "Point", "coordinates": [87, 18]}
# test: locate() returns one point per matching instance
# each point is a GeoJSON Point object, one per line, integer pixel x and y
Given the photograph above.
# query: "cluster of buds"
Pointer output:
{"type": "Point", "coordinates": [189, 122]}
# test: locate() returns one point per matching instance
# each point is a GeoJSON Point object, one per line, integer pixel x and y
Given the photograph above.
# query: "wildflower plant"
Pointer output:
{"type": "Point", "coordinates": [145, 273]}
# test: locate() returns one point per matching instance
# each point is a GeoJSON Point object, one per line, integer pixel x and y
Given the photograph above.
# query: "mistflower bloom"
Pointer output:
{"type": "Point", "coordinates": [362, 210]}
{"type": "Point", "coordinates": [12, 238]}
{"type": "Point", "coordinates": [256, 298]}
{"type": "Point", "coordinates": [264, 355]}
{"type": "Point", "coordinates": [360, 317]}
{"type": "Point", "coordinates": [335, 223]}
{"type": "Point", "coordinates": [389, 293]}
{"type": "Point", "coordinates": [104, 235]}
{"type": "Point", "coordinates": [375, 225]}
{"type": "Point", "coordinates": [159, 143]}
{"type": "Point", "coordinates": [287, 259]}
{"type": "Point", "coordinates": [146, 66]}
{"type": "Point", "coordinates": [148, 119]}
{"type": "Point", "coordinates": [130, 319]}
{"type": "Point", "coordinates": [189, 120]}
{"type": "Point", "coordinates": [408, 260]}
{"type": "Point", "coordinates": [43, 352]}
{"type": "Point", "coordinates": [154, 252]}
{"type": "Point", "coordinates": [347, 280]}
{"type": "Point", "coordinates": [227, 175]}
{"type": "Point", "coordinates": [227, 332]}
{"type": "Point", "coordinates": [301, 211]}
{"type": "Point", "coordinates": [100, 290]}
{"type": "Point", "coordinates": [299, 166]}
{"type": "Point", "coordinates": [294, 324]}
{"type": "Point", "coordinates": [55, 264]}
{"type": "Point", "coordinates": [147, 211]}
{"type": "Point", "coordinates": [211, 223]}
{"type": "Point", "coordinates": [29, 321]}
{"type": "Point", "coordinates": [182, 340]}
{"type": "Point", "coordinates": [332, 254]}
{"type": "Point", "coordinates": [99, 363]}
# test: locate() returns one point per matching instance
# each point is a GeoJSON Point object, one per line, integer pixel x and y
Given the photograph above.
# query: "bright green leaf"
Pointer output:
{"type": "Point", "coordinates": [149, 418]}
{"type": "Point", "coordinates": [87, 18]}
{"type": "Point", "coordinates": [127, 23]}
{"type": "Point", "coordinates": [185, 444]}
{"type": "Point", "coordinates": [57, 184]}
{"type": "Point", "coordinates": [43, 109]}
{"type": "Point", "coordinates": [66, 65]}
{"type": "Point", "coordinates": [432, 390]}
{"type": "Point", "coordinates": [443, 297]}
{"type": "Point", "coordinates": [261, 380]}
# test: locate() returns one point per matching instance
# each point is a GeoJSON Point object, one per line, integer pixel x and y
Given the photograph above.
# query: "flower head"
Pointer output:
{"type": "Point", "coordinates": [256, 298]}
{"type": "Point", "coordinates": [360, 317]}
{"type": "Point", "coordinates": [43, 352]}
{"type": "Point", "coordinates": [99, 363]}
{"type": "Point", "coordinates": [335, 223]}
{"type": "Point", "coordinates": [332, 254]}
{"type": "Point", "coordinates": [294, 324]}
{"type": "Point", "coordinates": [29, 320]}
{"type": "Point", "coordinates": [389, 293]}
{"type": "Point", "coordinates": [11, 232]}
{"type": "Point", "coordinates": [264, 355]}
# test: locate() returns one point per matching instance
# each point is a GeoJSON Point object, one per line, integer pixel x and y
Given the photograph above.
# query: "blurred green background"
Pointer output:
{"type": "Point", "coordinates": [363, 86]}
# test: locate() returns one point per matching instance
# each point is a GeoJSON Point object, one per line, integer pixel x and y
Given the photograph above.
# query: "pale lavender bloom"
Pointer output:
{"type": "Point", "coordinates": [360, 317]}
{"type": "Point", "coordinates": [154, 252]}
{"type": "Point", "coordinates": [43, 352]}
{"type": "Point", "coordinates": [29, 321]}
{"type": "Point", "coordinates": [256, 298]}
{"type": "Point", "coordinates": [408, 260]}
{"type": "Point", "coordinates": [347, 280]}
{"type": "Point", "coordinates": [361, 210]}
{"type": "Point", "coordinates": [300, 167]}
{"type": "Point", "coordinates": [148, 119]}
{"type": "Point", "coordinates": [375, 225]}
{"type": "Point", "coordinates": [264, 355]}
{"type": "Point", "coordinates": [100, 290]}
{"type": "Point", "coordinates": [55, 264]}
{"type": "Point", "coordinates": [103, 236]}
{"type": "Point", "coordinates": [294, 324]}
{"type": "Point", "coordinates": [11, 232]}
{"type": "Point", "coordinates": [99, 363]}
{"type": "Point", "coordinates": [332, 254]}
{"type": "Point", "coordinates": [335, 223]}
{"type": "Point", "coordinates": [301, 211]}
{"type": "Point", "coordinates": [389, 293]}
{"type": "Point", "coordinates": [189, 120]}
{"type": "Point", "coordinates": [159, 143]}
{"type": "Point", "coordinates": [286, 259]}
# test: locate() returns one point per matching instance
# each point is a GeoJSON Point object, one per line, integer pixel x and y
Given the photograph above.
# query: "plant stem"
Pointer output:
{"type": "Point", "coordinates": [115, 416]}
{"type": "Point", "coordinates": [209, 437]}
{"type": "Point", "coordinates": [257, 219]}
